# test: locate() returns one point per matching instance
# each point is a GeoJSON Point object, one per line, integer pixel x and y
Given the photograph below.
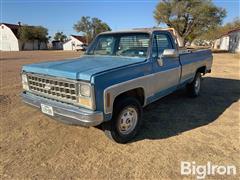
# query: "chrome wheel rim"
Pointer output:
{"type": "Point", "coordinates": [127, 120]}
{"type": "Point", "coordinates": [197, 84]}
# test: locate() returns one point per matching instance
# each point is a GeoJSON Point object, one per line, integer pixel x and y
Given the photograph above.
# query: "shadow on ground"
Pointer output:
{"type": "Point", "coordinates": [178, 113]}
{"type": "Point", "coordinates": [11, 58]}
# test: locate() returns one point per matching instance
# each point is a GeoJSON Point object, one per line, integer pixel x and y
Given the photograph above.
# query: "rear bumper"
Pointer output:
{"type": "Point", "coordinates": [64, 112]}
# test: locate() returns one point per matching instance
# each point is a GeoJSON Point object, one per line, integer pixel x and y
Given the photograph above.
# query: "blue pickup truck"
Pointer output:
{"type": "Point", "coordinates": [120, 73]}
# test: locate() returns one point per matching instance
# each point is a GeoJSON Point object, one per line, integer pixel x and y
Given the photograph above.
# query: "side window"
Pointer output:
{"type": "Point", "coordinates": [161, 42]}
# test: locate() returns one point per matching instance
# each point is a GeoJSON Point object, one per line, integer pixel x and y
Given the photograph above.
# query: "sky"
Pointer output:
{"type": "Point", "coordinates": [60, 15]}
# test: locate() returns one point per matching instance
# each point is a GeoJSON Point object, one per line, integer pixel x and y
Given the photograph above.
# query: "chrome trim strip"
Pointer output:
{"type": "Point", "coordinates": [139, 82]}
{"type": "Point", "coordinates": [51, 77]}
{"type": "Point", "coordinates": [187, 73]}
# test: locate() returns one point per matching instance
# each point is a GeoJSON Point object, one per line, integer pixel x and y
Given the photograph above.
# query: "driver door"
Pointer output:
{"type": "Point", "coordinates": [166, 73]}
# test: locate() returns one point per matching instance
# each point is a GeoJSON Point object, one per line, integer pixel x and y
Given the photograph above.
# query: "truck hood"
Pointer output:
{"type": "Point", "coordinates": [82, 68]}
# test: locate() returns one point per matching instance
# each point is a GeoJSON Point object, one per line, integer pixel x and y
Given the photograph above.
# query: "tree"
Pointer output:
{"type": "Point", "coordinates": [41, 34]}
{"type": "Point", "coordinates": [59, 36]}
{"type": "Point", "coordinates": [190, 18]}
{"type": "Point", "coordinates": [31, 33]}
{"type": "Point", "coordinates": [91, 27]}
{"type": "Point", "coordinates": [25, 34]}
{"type": "Point", "coordinates": [85, 26]}
{"type": "Point", "coordinates": [215, 33]}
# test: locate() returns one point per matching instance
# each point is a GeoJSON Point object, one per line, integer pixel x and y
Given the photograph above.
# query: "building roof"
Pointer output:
{"type": "Point", "coordinates": [234, 30]}
{"type": "Point", "coordinates": [229, 32]}
{"type": "Point", "coordinates": [80, 38]}
{"type": "Point", "coordinates": [13, 27]}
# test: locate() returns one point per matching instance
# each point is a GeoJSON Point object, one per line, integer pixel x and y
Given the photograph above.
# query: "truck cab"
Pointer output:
{"type": "Point", "coordinates": [119, 75]}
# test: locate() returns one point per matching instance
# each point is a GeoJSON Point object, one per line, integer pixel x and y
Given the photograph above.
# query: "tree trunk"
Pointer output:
{"type": "Point", "coordinates": [23, 46]}
{"type": "Point", "coordinates": [39, 44]}
{"type": "Point", "coordinates": [181, 41]}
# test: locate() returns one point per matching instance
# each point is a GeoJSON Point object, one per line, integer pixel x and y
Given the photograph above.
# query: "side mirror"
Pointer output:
{"type": "Point", "coordinates": [170, 53]}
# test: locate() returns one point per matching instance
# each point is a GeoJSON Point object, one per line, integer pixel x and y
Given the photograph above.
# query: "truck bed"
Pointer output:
{"type": "Point", "coordinates": [193, 60]}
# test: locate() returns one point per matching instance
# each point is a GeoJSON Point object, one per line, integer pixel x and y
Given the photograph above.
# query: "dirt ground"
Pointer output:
{"type": "Point", "coordinates": [176, 128]}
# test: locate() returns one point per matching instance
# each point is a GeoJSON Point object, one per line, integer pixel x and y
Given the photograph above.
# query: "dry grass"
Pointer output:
{"type": "Point", "coordinates": [176, 129]}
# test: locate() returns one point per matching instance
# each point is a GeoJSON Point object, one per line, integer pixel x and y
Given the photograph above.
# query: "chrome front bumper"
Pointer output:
{"type": "Point", "coordinates": [64, 112]}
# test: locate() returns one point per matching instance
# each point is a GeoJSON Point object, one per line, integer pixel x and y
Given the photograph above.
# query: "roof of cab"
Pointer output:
{"type": "Point", "coordinates": [136, 30]}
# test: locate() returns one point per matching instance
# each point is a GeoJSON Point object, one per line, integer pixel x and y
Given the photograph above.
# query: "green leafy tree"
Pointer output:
{"type": "Point", "coordinates": [25, 34]}
{"type": "Point", "coordinates": [60, 36]}
{"type": "Point", "coordinates": [190, 18]}
{"type": "Point", "coordinates": [31, 33]}
{"type": "Point", "coordinates": [91, 27]}
{"type": "Point", "coordinates": [41, 34]}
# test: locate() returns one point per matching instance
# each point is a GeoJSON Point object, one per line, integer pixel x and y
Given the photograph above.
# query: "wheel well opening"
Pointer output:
{"type": "Point", "coordinates": [138, 93]}
{"type": "Point", "coordinates": [202, 69]}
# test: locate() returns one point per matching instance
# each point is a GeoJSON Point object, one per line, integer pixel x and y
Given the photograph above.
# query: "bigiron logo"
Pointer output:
{"type": "Point", "coordinates": [201, 171]}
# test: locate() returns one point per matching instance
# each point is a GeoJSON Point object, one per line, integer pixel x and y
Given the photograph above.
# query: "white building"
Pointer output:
{"type": "Point", "coordinates": [74, 42]}
{"type": "Point", "coordinates": [229, 42]}
{"type": "Point", "coordinates": [9, 39]}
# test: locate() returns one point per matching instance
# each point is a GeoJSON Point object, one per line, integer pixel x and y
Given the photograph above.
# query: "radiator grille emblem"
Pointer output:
{"type": "Point", "coordinates": [48, 87]}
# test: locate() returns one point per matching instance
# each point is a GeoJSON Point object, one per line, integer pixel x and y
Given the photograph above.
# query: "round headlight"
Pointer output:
{"type": "Point", "coordinates": [85, 90]}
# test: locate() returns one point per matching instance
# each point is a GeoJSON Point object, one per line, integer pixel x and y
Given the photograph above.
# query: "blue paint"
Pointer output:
{"type": "Point", "coordinates": [105, 71]}
{"type": "Point", "coordinates": [103, 80]}
{"type": "Point", "coordinates": [82, 68]}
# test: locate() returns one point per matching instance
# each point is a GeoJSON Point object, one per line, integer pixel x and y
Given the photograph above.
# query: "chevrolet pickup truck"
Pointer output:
{"type": "Point", "coordinates": [120, 73]}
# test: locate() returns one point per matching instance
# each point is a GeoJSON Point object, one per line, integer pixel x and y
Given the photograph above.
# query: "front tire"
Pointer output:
{"type": "Point", "coordinates": [195, 87]}
{"type": "Point", "coordinates": [126, 120]}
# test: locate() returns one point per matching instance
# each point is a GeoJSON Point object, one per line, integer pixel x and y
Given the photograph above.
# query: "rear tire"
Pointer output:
{"type": "Point", "coordinates": [126, 120]}
{"type": "Point", "coordinates": [195, 86]}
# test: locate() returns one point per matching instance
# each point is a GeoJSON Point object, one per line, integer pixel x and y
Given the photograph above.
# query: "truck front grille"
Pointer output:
{"type": "Point", "coordinates": [53, 88]}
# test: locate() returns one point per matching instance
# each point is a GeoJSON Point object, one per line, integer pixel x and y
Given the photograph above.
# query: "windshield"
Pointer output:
{"type": "Point", "coordinates": [125, 44]}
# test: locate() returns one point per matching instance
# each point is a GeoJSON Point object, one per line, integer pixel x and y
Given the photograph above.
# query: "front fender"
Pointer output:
{"type": "Point", "coordinates": [111, 92]}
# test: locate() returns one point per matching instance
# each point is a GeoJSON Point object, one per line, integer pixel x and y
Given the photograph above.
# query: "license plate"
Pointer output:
{"type": "Point", "coordinates": [47, 109]}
